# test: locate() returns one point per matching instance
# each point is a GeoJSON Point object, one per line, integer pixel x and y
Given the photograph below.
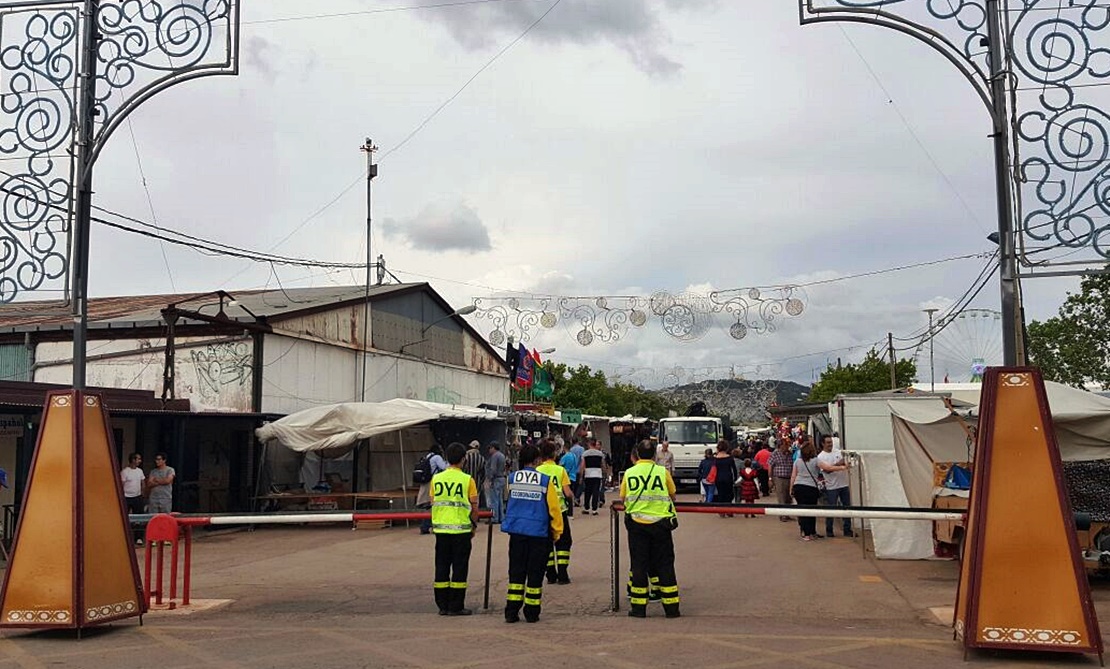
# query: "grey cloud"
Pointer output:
{"type": "Point", "coordinates": [443, 226]}
{"type": "Point", "coordinates": [633, 26]}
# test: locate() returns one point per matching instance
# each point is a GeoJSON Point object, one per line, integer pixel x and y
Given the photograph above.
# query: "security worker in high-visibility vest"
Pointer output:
{"type": "Point", "coordinates": [454, 518]}
{"type": "Point", "coordinates": [648, 494]}
{"type": "Point", "coordinates": [559, 561]}
{"type": "Point", "coordinates": [533, 519]}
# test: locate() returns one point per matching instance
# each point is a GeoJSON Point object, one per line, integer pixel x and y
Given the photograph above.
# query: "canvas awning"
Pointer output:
{"type": "Point", "coordinates": [925, 433]}
{"type": "Point", "coordinates": [340, 425]}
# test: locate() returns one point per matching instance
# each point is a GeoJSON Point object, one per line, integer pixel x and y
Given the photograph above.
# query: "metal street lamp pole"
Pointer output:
{"type": "Point", "coordinates": [932, 369]}
{"type": "Point", "coordinates": [82, 222]}
{"type": "Point", "coordinates": [371, 171]}
{"type": "Point", "coordinates": [1011, 315]}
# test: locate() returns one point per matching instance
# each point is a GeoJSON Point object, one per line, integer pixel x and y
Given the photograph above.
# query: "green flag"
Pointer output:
{"type": "Point", "coordinates": [541, 384]}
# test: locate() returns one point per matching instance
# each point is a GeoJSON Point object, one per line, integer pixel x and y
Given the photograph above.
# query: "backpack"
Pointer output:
{"type": "Point", "coordinates": [422, 472]}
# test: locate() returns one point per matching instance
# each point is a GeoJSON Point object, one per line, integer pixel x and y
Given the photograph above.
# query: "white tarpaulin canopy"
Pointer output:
{"type": "Point", "coordinates": [925, 433]}
{"type": "Point", "coordinates": [340, 425]}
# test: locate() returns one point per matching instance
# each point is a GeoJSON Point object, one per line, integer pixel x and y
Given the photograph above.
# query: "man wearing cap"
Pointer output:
{"type": "Point", "coordinates": [475, 464]}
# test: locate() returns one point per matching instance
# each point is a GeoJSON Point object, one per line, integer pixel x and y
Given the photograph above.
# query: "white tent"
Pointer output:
{"type": "Point", "coordinates": [925, 433]}
{"type": "Point", "coordinates": [340, 425]}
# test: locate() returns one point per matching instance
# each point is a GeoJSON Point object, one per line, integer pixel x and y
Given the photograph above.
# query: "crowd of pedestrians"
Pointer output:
{"type": "Point", "coordinates": [786, 469]}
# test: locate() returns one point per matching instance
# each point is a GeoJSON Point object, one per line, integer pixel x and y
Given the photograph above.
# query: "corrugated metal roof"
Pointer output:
{"type": "Point", "coordinates": [146, 310]}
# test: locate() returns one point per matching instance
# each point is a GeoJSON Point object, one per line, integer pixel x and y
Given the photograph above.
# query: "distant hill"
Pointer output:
{"type": "Point", "coordinates": [743, 400]}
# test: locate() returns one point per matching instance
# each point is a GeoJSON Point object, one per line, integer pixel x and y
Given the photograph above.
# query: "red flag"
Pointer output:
{"type": "Point", "coordinates": [536, 357]}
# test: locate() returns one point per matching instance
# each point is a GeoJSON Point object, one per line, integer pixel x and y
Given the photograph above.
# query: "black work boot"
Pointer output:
{"type": "Point", "coordinates": [458, 598]}
{"type": "Point", "coordinates": [512, 614]}
{"type": "Point", "coordinates": [443, 600]}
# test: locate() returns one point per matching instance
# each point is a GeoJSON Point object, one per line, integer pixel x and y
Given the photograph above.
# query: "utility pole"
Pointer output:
{"type": "Point", "coordinates": [932, 369]}
{"type": "Point", "coordinates": [1007, 259]}
{"type": "Point", "coordinates": [890, 347]}
{"type": "Point", "coordinates": [371, 171]}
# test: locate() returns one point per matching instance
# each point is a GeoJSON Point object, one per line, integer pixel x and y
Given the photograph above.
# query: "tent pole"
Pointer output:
{"type": "Point", "coordinates": [404, 472]}
{"type": "Point", "coordinates": [258, 477]}
{"type": "Point", "coordinates": [862, 521]}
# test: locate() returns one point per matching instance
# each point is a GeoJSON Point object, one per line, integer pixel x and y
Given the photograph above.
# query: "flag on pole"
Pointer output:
{"type": "Point", "coordinates": [512, 359]}
{"type": "Point", "coordinates": [523, 377]}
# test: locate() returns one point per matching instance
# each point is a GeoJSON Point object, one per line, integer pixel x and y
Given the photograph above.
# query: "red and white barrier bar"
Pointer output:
{"type": "Point", "coordinates": [862, 512]}
{"type": "Point", "coordinates": [299, 518]}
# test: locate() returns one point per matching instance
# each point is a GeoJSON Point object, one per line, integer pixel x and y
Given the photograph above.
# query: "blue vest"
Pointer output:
{"type": "Point", "coordinates": [527, 512]}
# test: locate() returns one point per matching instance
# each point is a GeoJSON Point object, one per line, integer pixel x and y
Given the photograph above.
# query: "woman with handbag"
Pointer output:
{"type": "Point", "coordinates": [804, 486]}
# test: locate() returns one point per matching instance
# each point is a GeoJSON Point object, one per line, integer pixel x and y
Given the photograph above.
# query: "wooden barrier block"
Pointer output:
{"type": "Point", "coordinates": [72, 564]}
{"type": "Point", "coordinates": [1022, 582]}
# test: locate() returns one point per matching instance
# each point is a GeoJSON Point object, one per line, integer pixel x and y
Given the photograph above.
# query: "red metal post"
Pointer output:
{"type": "Point", "coordinates": [188, 565]}
{"type": "Point", "coordinates": [158, 598]}
{"type": "Point", "coordinates": [173, 575]}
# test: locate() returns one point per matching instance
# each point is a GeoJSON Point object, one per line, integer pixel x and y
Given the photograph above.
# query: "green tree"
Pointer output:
{"type": "Point", "coordinates": [1074, 346]}
{"type": "Point", "coordinates": [868, 376]}
{"type": "Point", "coordinates": [590, 391]}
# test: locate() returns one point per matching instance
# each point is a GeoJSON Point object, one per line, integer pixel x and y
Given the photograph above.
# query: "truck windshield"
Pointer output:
{"type": "Point", "coordinates": [690, 432]}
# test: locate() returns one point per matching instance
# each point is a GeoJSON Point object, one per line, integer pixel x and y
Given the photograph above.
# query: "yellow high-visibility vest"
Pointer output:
{"type": "Point", "coordinates": [451, 502]}
{"type": "Point", "coordinates": [647, 499]}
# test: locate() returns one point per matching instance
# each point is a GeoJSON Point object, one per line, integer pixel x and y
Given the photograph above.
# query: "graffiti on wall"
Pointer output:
{"type": "Point", "coordinates": [221, 365]}
{"type": "Point", "coordinates": [443, 395]}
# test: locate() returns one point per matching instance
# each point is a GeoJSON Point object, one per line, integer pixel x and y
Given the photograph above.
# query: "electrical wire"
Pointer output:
{"type": "Point", "coordinates": [905, 122]}
{"type": "Point", "coordinates": [380, 10]}
{"type": "Point", "coordinates": [469, 81]}
{"type": "Point", "coordinates": [150, 201]}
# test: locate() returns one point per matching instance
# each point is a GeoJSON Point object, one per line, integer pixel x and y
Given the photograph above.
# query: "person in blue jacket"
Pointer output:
{"type": "Point", "coordinates": [533, 520]}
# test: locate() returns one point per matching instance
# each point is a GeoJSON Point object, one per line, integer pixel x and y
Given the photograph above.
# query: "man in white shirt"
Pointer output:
{"type": "Point", "coordinates": [664, 458]}
{"type": "Point", "coordinates": [132, 478]}
{"type": "Point", "coordinates": [835, 470]}
{"type": "Point", "coordinates": [593, 473]}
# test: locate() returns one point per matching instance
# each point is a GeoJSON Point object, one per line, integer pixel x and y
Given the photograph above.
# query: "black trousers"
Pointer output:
{"type": "Point", "coordinates": [806, 494]}
{"type": "Point", "coordinates": [452, 568]}
{"type": "Point", "coordinates": [593, 494]}
{"type": "Point", "coordinates": [764, 482]}
{"type": "Point", "coordinates": [527, 561]}
{"type": "Point", "coordinates": [558, 561]}
{"type": "Point", "coordinates": [651, 551]}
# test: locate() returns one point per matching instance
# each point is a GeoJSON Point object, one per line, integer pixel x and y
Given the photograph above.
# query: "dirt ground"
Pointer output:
{"type": "Point", "coordinates": [752, 594]}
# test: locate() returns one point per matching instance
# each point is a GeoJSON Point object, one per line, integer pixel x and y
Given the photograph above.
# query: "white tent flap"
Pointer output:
{"type": "Point", "coordinates": [882, 486]}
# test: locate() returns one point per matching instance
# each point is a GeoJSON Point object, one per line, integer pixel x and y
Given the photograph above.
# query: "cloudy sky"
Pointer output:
{"type": "Point", "coordinates": [622, 147]}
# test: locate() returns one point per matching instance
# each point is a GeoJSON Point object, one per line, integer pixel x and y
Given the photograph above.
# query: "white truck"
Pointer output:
{"type": "Point", "coordinates": [688, 437]}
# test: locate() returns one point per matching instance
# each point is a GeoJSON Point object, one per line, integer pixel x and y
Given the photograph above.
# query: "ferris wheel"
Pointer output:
{"type": "Point", "coordinates": [964, 349]}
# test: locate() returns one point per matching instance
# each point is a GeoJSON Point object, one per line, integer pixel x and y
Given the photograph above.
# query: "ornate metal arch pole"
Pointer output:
{"type": "Point", "coordinates": [75, 71]}
{"type": "Point", "coordinates": [979, 56]}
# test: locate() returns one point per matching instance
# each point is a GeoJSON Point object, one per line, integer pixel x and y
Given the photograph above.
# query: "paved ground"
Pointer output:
{"type": "Point", "coordinates": [752, 596]}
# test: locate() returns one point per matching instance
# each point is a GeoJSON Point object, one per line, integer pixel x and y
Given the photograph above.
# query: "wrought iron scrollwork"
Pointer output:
{"type": "Point", "coordinates": [685, 317]}
{"type": "Point", "coordinates": [955, 28]}
{"type": "Point", "coordinates": [758, 311]}
{"type": "Point", "coordinates": [1058, 53]}
{"type": "Point", "coordinates": [147, 46]}
{"type": "Point", "coordinates": [1058, 56]}
{"type": "Point", "coordinates": [142, 48]}
{"type": "Point", "coordinates": [38, 65]}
